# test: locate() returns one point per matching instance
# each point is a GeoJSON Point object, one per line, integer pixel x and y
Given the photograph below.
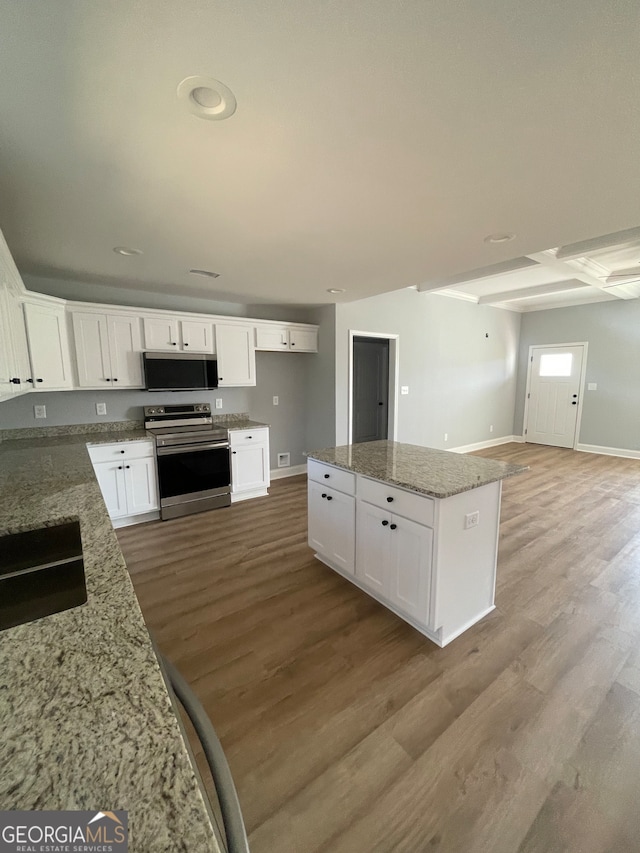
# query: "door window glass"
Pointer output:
{"type": "Point", "coordinates": [556, 364]}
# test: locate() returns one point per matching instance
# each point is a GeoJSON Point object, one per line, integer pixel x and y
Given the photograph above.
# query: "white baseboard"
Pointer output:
{"type": "Point", "coordinates": [290, 471]}
{"type": "Point", "coordinates": [609, 451]}
{"type": "Point", "coordinates": [492, 442]}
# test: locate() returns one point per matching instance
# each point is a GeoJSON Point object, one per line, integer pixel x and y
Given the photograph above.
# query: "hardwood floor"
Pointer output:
{"type": "Point", "coordinates": [349, 732]}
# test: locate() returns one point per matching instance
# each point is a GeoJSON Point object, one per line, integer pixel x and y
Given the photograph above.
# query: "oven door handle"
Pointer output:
{"type": "Point", "coordinates": [191, 448]}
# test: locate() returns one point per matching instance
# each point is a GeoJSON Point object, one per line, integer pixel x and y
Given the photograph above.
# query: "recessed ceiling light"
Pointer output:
{"type": "Point", "coordinates": [125, 250]}
{"type": "Point", "coordinates": [205, 273]}
{"type": "Point", "coordinates": [207, 98]}
{"type": "Point", "coordinates": [500, 237]}
{"type": "Point", "coordinates": [335, 290]}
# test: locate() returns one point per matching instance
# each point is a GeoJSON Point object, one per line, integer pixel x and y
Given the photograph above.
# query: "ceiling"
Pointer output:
{"type": "Point", "coordinates": [374, 147]}
{"type": "Point", "coordinates": [606, 269]}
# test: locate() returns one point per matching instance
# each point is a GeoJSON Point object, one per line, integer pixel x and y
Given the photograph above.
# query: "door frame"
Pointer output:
{"type": "Point", "coordinates": [394, 372]}
{"type": "Point", "coordinates": [583, 376]}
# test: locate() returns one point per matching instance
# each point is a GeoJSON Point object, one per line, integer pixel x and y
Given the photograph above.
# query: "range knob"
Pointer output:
{"type": "Point", "coordinates": [151, 411]}
{"type": "Point", "coordinates": [160, 410]}
{"type": "Point", "coordinates": [198, 408]}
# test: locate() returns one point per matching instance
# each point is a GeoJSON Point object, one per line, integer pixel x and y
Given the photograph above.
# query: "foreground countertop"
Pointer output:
{"type": "Point", "coordinates": [87, 722]}
{"type": "Point", "coordinates": [437, 473]}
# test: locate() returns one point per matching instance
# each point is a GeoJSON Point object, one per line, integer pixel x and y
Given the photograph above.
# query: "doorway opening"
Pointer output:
{"type": "Point", "coordinates": [555, 386]}
{"type": "Point", "coordinates": [372, 387]}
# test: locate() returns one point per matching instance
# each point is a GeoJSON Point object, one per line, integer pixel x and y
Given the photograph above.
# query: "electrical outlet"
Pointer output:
{"type": "Point", "coordinates": [40, 411]}
{"type": "Point", "coordinates": [446, 436]}
{"type": "Point", "coordinates": [490, 427]}
{"type": "Point", "coordinates": [592, 386]}
{"type": "Point", "coordinates": [101, 408]}
{"type": "Point", "coordinates": [218, 402]}
{"type": "Point", "coordinates": [276, 401]}
{"type": "Point", "coordinates": [472, 519]}
{"type": "Point", "coordinates": [404, 389]}
{"type": "Point", "coordinates": [284, 460]}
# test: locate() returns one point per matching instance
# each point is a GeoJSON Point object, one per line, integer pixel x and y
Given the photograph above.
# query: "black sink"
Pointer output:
{"type": "Point", "coordinates": [41, 572]}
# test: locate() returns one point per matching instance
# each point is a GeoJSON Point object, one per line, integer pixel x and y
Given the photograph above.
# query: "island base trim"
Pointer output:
{"type": "Point", "coordinates": [434, 636]}
{"type": "Point", "coordinates": [467, 625]}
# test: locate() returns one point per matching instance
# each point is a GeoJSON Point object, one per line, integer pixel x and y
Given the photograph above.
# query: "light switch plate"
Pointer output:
{"type": "Point", "coordinates": [276, 401]}
{"type": "Point", "coordinates": [404, 389]}
{"type": "Point", "coordinates": [592, 386]}
{"type": "Point", "coordinates": [101, 408]}
{"type": "Point", "coordinates": [218, 402]}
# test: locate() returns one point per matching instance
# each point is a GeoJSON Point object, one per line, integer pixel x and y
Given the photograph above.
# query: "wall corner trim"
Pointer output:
{"type": "Point", "coordinates": [609, 451]}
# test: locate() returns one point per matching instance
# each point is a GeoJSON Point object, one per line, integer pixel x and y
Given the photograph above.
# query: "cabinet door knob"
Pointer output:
{"type": "Point", "coordinates": [174, 344]}
{"type": "Point", "coordinates": [324, 494]}
{"type": "Point", "coordinates": [385, 522]}
{"type": "Point", "coordinates": [329, 498]}
{"type": "Point", "coordinates": [115, 378]}
{"type": "Point", "coordinates": [29, 379]}
{"type": "Point", "coordinates": [122, 451]}
{"type": "Point", "coordinates": [119, 467]}
{"type": "Point", "coordinates": [326, 476]}
{"type": "Point", "coordinates": [392, 526]}
{"type": "Point", "coordinates": [15, 380]}
{"type": "Point", "coordinates": [186, 344]}
{"type": "Point", "coordinates": [38, 380]}
{"type": "Point", "coordinates": [108, 380]}
{"type": "Point", "coordinates": [293, 343]}
{"type": "Point", "coordinates": [234, 452]}
{"type": "Point", "coordinates": [129, 466]}
{"type": "Point", "coordinates": [389, 500]}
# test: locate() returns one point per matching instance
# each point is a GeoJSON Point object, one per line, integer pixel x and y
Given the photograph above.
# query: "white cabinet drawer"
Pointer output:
{"type": "Point", "coordinates": [398, 501]}
{"type": "Point", "coordinates": [120, 450]}
{"type": "Point", "coordinates": [238, 437]}
{"type": "Point", "coordinates": [337, 478]}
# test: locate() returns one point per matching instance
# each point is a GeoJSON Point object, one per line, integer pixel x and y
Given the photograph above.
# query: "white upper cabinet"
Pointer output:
{"type": "Point", "coordinates": [197, 336]}
{"type": "Point", "coordinates": [161, 334]}
{"type": "Point", "coordinates": [48, 341]}
{"type": "Point", "coordinates": [285, 338]}
{"type": "Point", "coordinates": [236, 355]}
{"type": "Point", "coordinates": [108, 350]}
{"type": "Point", "coordinates": [170, 334]}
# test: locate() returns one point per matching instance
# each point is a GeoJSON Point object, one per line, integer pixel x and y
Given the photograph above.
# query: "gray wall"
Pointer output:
{"type": "Point", "coordinates": [321, 409]}
{"type": "Point", "coordinates": [458, 359]}
{"type": "Point", "coordinates": [611, 414]}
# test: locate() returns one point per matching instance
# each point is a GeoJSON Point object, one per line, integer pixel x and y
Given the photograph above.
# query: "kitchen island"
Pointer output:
{"type": "Point", "coordinates": [415, 528]}
{"type": "Point", "coordinates": [87, 721]}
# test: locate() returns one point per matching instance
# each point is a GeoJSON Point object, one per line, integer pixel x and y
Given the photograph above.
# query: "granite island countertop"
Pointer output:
{"type": "Point", "coordinates": [437, 473]}
{"type": "Point", "coordinates": [87, 721]}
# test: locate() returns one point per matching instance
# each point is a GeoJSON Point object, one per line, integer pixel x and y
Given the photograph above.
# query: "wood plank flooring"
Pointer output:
{"type": "Point", "coordinates": [349, 732]}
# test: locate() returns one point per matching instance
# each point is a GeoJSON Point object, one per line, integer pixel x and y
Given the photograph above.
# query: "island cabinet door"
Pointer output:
{"type": "Point", "coordinates": [373, 548]}
{"type": "Point", "coordinates": [332, 520]}
{"type": "Point", "coordinates": [410, 567]}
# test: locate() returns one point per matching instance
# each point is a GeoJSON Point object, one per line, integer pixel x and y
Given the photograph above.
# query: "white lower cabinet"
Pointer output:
{"type": "Point", "coordinates": [332, 525]}
{"type": "Point", "coordinates": [126, 474]}
{"type": "Point", "coordinates": [413, 553]}
{"type": "Point", "coordinates": [250, 473]}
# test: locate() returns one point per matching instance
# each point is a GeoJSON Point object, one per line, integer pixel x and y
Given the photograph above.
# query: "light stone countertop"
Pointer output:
{"type": "Point", "coordinates": [86, 719]}
{"type": "Point", "coordinates": [437, 473]}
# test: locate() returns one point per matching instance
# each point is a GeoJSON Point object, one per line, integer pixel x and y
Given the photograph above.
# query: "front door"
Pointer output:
{"type": "Point", "coordinates": [554, 395]}
{"type": "Point", "coordinates": [370, 389]}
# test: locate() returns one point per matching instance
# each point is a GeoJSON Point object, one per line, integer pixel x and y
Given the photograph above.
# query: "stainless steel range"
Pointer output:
{"type": "Point", "coordinates": [192, 456]}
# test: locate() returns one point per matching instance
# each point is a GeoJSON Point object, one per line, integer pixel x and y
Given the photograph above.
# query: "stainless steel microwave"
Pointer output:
{"type": "Point", "coordinates": [168, 371]}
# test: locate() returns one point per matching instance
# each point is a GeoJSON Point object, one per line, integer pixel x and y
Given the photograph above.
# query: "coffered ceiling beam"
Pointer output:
{"type": "Point", "coordinates": [531, 292]}
{"type": "Point", "coordinates": [549, 260]}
